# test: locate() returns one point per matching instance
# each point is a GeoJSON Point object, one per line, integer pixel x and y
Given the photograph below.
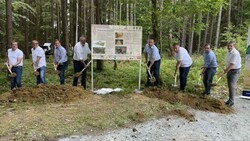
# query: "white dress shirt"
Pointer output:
{"type": "Point", "coordinates": [13, 55]}
{"type": "Point", "coordinates": [81, 51]}
{"type": "Point", "coordinates": [184, 57]}
{"type": "Point", "coordinates": [38, 51]}
{"type": "Point", "coordinates": [233, 57]}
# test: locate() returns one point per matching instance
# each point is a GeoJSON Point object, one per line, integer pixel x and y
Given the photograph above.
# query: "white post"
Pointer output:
{"type": "Point", "coordinates": [139, 83]}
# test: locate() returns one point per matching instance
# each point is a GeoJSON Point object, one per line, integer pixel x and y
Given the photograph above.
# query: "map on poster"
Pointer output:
{"type": "Point", "coordinates": [115, 42]}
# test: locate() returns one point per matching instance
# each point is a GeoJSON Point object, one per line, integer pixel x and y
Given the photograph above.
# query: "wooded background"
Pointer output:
{"type": "Point", "coordinates": [192, 23]}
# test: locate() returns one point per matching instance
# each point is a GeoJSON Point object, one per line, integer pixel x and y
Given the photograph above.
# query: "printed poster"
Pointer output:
{"type": "Point", "coordinates": [115, 42]}
{"type": "Point", "coordinates": [246, 91]}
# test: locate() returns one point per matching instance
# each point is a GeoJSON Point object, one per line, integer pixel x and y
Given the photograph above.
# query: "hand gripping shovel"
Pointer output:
{"type": "Point", "coordinates": [151, 78]}
{"type": "Point", "coordinates": [36, 73]}
{"type": "Point", "coordinates": [11, 74]}
{"type": "Point", "coordinates": [175, 80]}
{"type": "Point", "coordinates": [216, 84]}
{"type": "Point", "coordinates": [79, 73]}
{"type": "Point", "coordinates": [55, 68]}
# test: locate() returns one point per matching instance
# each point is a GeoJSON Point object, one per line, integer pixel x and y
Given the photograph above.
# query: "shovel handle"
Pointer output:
{"type": "Point", "coordinates": [175, 79]}
{"type": "Point", "coordinates": [219, 79]}
{"type": "Point", "coordinates": [149, 72]}
{"type": "Point", "coordinates": [55, 66]}
{"type": "Point", "coordinates": [86, 66]}
{"type": "Point", "coordinates": [8, 67]}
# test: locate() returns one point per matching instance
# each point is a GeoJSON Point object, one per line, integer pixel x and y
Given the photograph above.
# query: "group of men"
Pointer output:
{"type": "Point", "coordinates": [15, 62]}
{"type": "Point", "coordinates": [152, 55]}
{"type": "Point", "coordinates": [184, 62]}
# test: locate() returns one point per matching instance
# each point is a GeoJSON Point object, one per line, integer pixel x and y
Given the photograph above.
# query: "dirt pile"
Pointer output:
{"type": "Point", "coordinates": [44, 94]}
{"type": "Point", "coordinates": [194, 101]}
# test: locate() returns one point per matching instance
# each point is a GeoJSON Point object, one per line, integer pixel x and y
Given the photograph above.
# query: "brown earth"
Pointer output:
{"type": "Point", "coordinates": [44, 94]}
{"type": "Point", "coordinates": [194, 101]}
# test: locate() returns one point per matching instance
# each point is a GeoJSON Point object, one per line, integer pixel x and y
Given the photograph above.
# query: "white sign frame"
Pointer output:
{"type": "Point", "coordinates": [116, 42]}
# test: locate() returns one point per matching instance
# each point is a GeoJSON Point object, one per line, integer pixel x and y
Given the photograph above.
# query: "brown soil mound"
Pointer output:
{"type": "Point", "coordinates": [194, 101]}
{"type": "Point", "coordinates": [44, 94]}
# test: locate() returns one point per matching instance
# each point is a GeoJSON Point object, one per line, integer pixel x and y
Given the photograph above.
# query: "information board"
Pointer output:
{"type": "Point", "coordinates": [115, 42]}
{"type": "Point", "coordinates": [246, 91]}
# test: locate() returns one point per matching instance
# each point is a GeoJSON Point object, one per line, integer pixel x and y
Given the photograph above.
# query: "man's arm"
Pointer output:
{"type": "Point", "coordinates": [37, 60]}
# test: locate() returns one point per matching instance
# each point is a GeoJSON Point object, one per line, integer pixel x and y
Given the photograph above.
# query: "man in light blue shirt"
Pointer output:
{"type": "Point", "coordinates": [153, 64]}
{"type": "Point", "coordinates": [209, 68]}
{"type": "Point", "coordinates": [60, 60]}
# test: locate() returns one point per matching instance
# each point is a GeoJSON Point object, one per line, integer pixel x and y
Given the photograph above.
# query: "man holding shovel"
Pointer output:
{"type": "Point", "coordinates": [233, 67]}
{"type": "Point", "coordinates": [81, 51]}
{"type": "Point", "coordinates": [183, 64]}
{"type": "Point", "coordinates": [60, 60]}
{"type": "Point", "coordinates": [209, 68]}
{"type": "Point", "coordinates": [15, 64]}
{"type": "Point", "coordinates": [39, 62]}
{"type": "Point", "coordinates": [153, 64]}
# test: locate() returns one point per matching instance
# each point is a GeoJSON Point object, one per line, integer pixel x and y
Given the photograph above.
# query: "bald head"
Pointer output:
{"type": "Point", "coordinates": [82, 39]}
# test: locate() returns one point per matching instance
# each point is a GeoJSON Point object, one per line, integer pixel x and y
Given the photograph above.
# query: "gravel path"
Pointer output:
{"type": "Point", "coordinates": [208, 126]}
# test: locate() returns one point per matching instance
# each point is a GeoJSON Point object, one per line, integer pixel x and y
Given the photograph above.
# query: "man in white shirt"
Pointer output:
{"type": "Point", "coordinates": [60, 60]}
{"type": "Point", "coordinates": [81, 51]}
{"type": "Point", "coordinates": [15, 62]}
{"type": "Point", "coordinates": [39, 61]}
{"type": "Point", "coordinates": [183, 64]}
{"type": "Point", "coordinates": [233, 67]}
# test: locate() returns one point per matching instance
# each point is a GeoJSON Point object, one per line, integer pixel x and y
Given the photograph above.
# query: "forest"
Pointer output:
{"type": "Point", "coordinates": [53, 111]}
{"type": "Point", "coordinates": [192, 23]}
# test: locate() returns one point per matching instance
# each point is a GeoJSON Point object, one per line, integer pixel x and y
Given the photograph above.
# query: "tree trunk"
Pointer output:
{"type": "Point", "coordinates": [99, 63]}
{"type": "Point", "coordinates": [161, 28]}
{"type": "Point", "coordinates": [199, 40]}
{"type": "Point", "coordinates": [58, 24]}
{"type": "Point", "coordinates": [183, 36]}
{"type": "Point", "coordinates": [27, 48]}
{"type": "Point", "coordinates": [218, 29]}
{"type": "Point", "coordinates": [64, 25]}
{"type": "Point", "coordinates": [9, 26]}
{"type": "Point", "coordinates": [52, 34]}
{"type": "Point", "coordinates": [154, 19]}
{"type": "Point", "coordinates": [229, 15]}
{"type": "Point", "coordinates": [206, 29]}
{"type": "Point", "coordinates": [211, 30]}
{"type": "Point", "coordinates": [191, 36]}
{"type": "Point", "coordinates": [2, 28]}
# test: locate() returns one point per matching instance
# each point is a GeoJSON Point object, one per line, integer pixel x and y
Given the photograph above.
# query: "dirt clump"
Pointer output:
{"type": "Point", "coordinates": [194, 101]}
{"type": "Point", "coordinates": [44, 94]}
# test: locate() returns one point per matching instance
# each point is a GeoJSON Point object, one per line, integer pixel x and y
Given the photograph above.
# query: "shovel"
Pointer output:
{"type": "Point", "coordinates": [216, 84]}
{"type": "Point", "coordinates": [79, 73]}
{"type": "Point", "coordinates": [175, 80]}
{"type": "Point", "coordinates": [36, 73]}
{"type": "Point", "coordinates": [55, 68]}
{"type": "Point", "coordinates": [199, 82]}
{"type": "Point", "coordinates": [151, 78]}
{"type": "Point", "coordinates": [12, 74]}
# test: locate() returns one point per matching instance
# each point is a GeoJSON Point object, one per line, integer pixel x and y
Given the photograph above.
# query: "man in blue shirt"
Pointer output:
{"type": "Point", "coordinates": [60, 60]}
{"type": "Point", "coordinates": [209, 68]}
{"type": "Point", "coordinates": [154, 60]}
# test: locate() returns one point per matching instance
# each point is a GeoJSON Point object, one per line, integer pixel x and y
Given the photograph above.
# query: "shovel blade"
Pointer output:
{"type": "Point", "coordinates": [152, 79]}
{"type": "Point", "coordinates": [174, 85]}
{"type": "Point", "coordinates": [36, 73]}
{"type": "Point", "coordinates": [213, 84]}
{"type": "Point", "coordinates": [12, 74]}
{"type": "Point", "coordinates": [77, 74]}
